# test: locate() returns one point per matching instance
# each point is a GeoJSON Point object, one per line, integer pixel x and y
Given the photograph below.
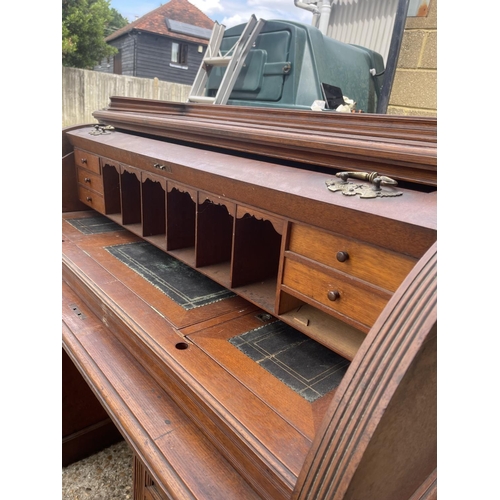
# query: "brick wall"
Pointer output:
{"type": "Point", "coordinates": [414, 91]}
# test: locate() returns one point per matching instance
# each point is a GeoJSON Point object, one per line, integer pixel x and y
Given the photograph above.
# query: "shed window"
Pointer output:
{"type": "Point", "coordinates": [179, 53]}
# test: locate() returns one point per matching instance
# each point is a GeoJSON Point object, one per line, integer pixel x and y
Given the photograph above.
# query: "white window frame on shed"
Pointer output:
{"type": "Point", "coordinates": [179, 56]}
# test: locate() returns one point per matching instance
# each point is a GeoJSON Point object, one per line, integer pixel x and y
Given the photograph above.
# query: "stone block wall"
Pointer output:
{"type": "Point", "coordinates": [414, 90]}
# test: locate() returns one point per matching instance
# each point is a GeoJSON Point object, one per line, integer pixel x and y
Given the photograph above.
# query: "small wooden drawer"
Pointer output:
{"type": "Point", "coordinates": [87, 160]}
{"type": "Point", "coordinates": [375, 265]}
{"type": "Point", "coordinates": [91, 198]}
{"type": "Point", "coordinates": [90, 180]}
{"type": "Point", "coordinates": [334, 292]}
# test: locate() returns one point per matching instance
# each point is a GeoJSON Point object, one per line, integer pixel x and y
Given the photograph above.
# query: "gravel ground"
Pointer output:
{"type": "Point", "coordinates": [105, 475]}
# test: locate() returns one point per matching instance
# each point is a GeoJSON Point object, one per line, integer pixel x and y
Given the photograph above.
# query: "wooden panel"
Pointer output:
{"type": "Point", "coordinates": [90, 198]}
{"type": "Point", "coordinates": [256, 248]}
{"type": "Point", "coordinates": [353, 301]}
{"type": "Point", "coordinates": [277, 222]}
{"type": "Point", "coordinates": [375, 265]}
{"type": "Point", "coordinates": [111, 186]}
{"type": "Point", "coordinates": [86, 427]}
{"type": "Point", "coordinates": [130, 185]}
{"type": "Point", "coordinates": [70, 201]}
{"type": "Point", "coordinates": [241, 427]}
{"type": "Point", "coordinates": [158, 431]}
{"type": "Point", "coordinates": [181, 216]}
{"type": "Point", "coordinates": [87, 160]}
{"type": "Point", "coordinates": [144, 485]}
{"type": "Point", "coordinates": [329, 331]}
{"type": "Point", "coordinates": [90, 180]}
{"type": "Point", "coordinates": [214, 229]}
{"type": "Point", "coordinates": [155, 178]}
{"type": "Point", "coordinates": [153, 197]}
{"type": "Point", "coordinates": [214, 340]}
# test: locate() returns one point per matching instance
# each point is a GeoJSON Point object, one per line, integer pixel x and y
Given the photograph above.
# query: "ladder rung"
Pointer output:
{"type": "Point", "coordinates": [232, 60]}
{"type": "Point", "coordinates": [201, 98]}
{"type": "Point", "coordinates": [217, 61]}
{"type": "Point", "coordinates": [242, 48]}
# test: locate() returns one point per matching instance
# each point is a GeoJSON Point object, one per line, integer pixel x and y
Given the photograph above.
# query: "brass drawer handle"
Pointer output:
{"type": "Point", "coordinates": [365, 191]}
{"type": "Point", "coordinates": [342, 256]}
{"type": "Point", "coordinates": [333, 295]}
{"type": "Point", "coordinates": [373, 177]}
{"type": "Point", "coordinates": [159, 166]}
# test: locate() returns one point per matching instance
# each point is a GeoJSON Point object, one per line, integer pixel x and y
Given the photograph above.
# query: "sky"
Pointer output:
{"type": "Point", "coordinates": [227, 12]}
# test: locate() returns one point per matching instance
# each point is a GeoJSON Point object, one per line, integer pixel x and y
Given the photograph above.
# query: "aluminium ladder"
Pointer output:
{"type": "Point", "coordinates": [233, 60]}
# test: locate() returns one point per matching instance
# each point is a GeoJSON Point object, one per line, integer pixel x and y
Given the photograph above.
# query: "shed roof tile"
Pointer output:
{"type": "Point", "coordinates": [155, 21]}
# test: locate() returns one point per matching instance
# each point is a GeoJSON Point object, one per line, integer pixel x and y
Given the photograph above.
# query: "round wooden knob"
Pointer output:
{"type": "Point", "coordinates": [333, 295]}
{"type": "Point", "coordinates": [342, 256]}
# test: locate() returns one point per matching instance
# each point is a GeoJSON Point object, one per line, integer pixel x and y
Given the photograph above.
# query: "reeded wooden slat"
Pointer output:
{"type": "Point", "coordinates": [388, 394]}
{"type": "Point", "coordinates": [428, 489]}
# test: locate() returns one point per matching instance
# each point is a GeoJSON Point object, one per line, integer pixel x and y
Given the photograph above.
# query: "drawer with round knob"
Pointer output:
{"type": "Point", "coordinates": [334, 292]}
{"type": "Point", "coordinates": [375, 265]}
{"type": "Point", "coordinates": [91, 198]}
{"type": "Point", "coordinates": [90, 180]}
{"type": "Point", "coordinates": [86, 160]}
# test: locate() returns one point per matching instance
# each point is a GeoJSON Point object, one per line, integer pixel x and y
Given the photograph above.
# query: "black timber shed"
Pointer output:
{"type": "Point", "coordinates": [167, 43]}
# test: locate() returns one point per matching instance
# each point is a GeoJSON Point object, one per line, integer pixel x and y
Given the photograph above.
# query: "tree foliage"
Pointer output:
{"type": "Point", "coordinates": [117, 22]}
{"type": "Point", "coordinates": [85, 24]}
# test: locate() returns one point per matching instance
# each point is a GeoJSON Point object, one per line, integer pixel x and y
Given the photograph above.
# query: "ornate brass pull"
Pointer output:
{"type": "Point", "coordinates": [373, 177]}
{"type": "Point", "coordinates": [364, 191]}
{"type": "Point", "coordinates": [99, 129]}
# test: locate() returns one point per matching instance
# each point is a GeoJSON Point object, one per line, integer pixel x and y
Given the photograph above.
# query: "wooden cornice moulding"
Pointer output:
{"type": "Point", "coordinates": [402, 147]}
{"type": "Point", "coordinates": [385, 408]}
{"type": "Point", "coordinates": [395, 126]}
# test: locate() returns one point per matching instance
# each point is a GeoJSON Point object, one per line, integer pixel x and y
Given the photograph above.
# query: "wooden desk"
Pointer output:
{"type": "Point", "coordinates": [203, 418]}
